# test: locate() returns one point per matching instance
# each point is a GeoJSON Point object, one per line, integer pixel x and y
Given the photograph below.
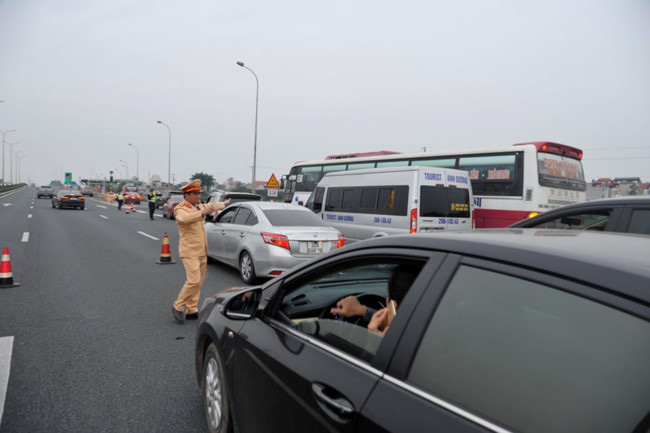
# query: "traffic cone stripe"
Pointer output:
{"type": "Point", "coordinates": [6, 276]}
{"type": "Point", "coordinates": [165, 252]}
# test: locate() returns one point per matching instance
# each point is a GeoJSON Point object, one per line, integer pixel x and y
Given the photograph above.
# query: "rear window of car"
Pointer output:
{"type": "Point", "coordinates": [534, 358]}
{"type": "Point", "coordinates": [293, 217]}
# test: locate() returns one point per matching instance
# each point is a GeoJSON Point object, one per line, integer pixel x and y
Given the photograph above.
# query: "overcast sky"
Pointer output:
{"type": "Point", "coordinates": [81, 79]}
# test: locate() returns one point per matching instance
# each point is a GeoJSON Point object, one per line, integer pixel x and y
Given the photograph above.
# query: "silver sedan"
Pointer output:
{"type": "Point", "coordinates": [264, 239]}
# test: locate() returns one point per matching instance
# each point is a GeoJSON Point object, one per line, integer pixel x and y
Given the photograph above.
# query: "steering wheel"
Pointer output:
{"type": "Point", "coordinates": [373, 301]}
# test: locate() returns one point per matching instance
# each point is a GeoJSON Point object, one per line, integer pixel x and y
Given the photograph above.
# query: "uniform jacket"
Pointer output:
{"type": "Point", "coordinates": [190, 220]}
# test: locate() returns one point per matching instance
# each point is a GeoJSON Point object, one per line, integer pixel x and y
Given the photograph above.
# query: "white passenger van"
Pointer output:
{"type": "Point", "coordinates": [367, 203]}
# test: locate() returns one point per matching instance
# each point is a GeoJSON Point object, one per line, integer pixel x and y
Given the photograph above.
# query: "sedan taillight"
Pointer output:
{"type": "Point", "coordinates": [275, 239]}
{"type": "Point", "coordinates": [341, 241]}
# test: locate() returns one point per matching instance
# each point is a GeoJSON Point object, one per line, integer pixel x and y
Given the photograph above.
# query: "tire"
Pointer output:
{"type": "Point", "coordinates": [246, 268]}
{"type": "Point", "coordinates": [216, 404]}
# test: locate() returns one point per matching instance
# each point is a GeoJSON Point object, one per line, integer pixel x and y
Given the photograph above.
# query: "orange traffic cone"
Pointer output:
{"type": "Point", "coordinates": [6, 276]}
{"type": "Point", "coordinates": [133, 207]}
{"type": "Point", "coordinates": [127, 207]}
{"type": "Point", "coordinates": [165, 253]}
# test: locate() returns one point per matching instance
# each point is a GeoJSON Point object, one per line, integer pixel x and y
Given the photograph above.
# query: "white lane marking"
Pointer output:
{"type": "Point", "coordinates": [149, 236]}
{"type": "Point", "coordinates": [7, 204]}
{"type": "Point", "coordinates": [103, 216]}
{"type": "Point", "coordinates": [29, 215]}
{"type": "Point", "coordinates": [101, 206]}
{"type": "Point", "coordinates": [6, 345]}
{"type": "Point", "coordinates": [25, 237]}
{"type": "Point", "coordinates": [31, 207]}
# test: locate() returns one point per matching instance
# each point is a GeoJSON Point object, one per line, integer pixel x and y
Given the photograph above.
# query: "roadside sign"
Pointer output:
{"type": "Point", "coordinates": [273, 182]}
{"type": "Point", "coordinates": [68, 178]}
{"type": "Point", "coordinates": [272, 192]}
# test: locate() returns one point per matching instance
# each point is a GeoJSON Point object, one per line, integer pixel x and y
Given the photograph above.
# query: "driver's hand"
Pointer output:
{"type": "Point", "coordinates": [378, 323]}
{"type": "Point", "coordinates": [348, 307]}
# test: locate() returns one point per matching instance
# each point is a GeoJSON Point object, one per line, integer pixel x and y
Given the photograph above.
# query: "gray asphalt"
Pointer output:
{"type": "Point", "coordinates": [95, 346]}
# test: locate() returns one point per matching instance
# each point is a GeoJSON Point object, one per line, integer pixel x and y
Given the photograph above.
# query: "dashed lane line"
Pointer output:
{"type": "Point", "coordinates": [25, 237]}
{"type": "Point", "coordinates": [6, 346]}
{"type": "Point", "coordinates": [148, 236]}
{"type": "Point", "coordinates": [103, 216]}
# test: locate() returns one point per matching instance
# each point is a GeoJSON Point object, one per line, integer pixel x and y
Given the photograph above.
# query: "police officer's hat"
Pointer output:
{"type": "Point", "coordinates": [194, 185]}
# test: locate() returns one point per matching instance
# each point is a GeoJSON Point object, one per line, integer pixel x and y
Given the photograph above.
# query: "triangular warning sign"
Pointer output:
{"type": "Point", "coordinates": [273, 182]}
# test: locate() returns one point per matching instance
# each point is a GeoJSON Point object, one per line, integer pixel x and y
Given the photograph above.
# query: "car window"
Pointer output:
{"type": "Point", "coordinates": [293, 217]}
{"type": "Point", "coordinates": [227, 215]}
{"type": "Point", "coordinates": [534, 358]}
{"type": "Point", "coordinates": [640, 222]}
{"type": "Point", "coordinates": [242, 216]}
{"type": "Point", "coordinates": [307, 306]}
{"type": "Point", "coordinates": [585, 220]}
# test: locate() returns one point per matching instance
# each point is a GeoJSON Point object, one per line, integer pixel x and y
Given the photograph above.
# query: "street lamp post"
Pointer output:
{"type": "Point", "coordinates": [169, 163]}
{"type": "Point", "coordinates": [18, 158]}
{"type": "Point", "coordinates": [3, 152]}
{"type": "Point", "coordinates": [137, 161]}
{"type": "Point", "coordinates": [126, 166]}
{"type": "Point", "coordinates": [257, 93]}
{"type": "Point", "coordinates": [11, 160]}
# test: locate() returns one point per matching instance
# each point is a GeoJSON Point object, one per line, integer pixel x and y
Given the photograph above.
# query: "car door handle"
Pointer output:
{"type": "Point", "coordinates": [242, 234]}
{"type": "Point", "coordinates": [335, 405]}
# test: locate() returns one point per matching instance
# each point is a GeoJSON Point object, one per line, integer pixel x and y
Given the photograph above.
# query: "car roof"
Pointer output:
{"type": "Point", "coordinates": [601, 259]}
{"type": "Point", "coordinates": [266, 205]}
{"type": "Point", "coordinates": [249, 195]}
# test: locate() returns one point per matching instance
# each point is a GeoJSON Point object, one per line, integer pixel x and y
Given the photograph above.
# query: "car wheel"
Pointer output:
{"type": "Point", "coordinates": [246, 268]}
{"type": "Point", "coordinates": [215, 396]}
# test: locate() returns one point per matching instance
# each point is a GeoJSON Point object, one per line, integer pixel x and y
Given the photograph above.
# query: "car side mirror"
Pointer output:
{"type": "Point", "coordinates": [244, 305]}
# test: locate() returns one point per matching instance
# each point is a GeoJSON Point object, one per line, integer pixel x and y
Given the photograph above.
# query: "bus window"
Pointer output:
{"type": "Point", "coordinates": [333, 168]}
{"type": "Point", "coordinates": [493, 175]}
{"type": "Point", "coordinates": [435, 162]}
{"type": "Point", "coordinates": [361, 165]}
{"type": "Point", "coordinates": [392, 163]}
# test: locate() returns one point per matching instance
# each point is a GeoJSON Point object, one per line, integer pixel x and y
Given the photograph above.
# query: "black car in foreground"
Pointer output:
{"type": "Point", "coordinates": [68, 198]}
{"type": "Point", "coordinates": [629, 214]}
{"type": "Point", "coordinates": [500, 331]}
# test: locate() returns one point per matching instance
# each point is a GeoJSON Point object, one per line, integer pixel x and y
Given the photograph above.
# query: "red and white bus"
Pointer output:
{"type": "Point", "coordinates": [508, 183]}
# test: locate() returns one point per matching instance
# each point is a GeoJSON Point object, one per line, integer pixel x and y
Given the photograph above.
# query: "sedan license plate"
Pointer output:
{"type": "Point", "coordinates": [314, 248]}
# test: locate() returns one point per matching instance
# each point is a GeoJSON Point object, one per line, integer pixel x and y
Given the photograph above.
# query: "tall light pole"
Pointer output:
{"type": "Point", "coordinates": [3, 152]}
{"type": "Point", "coordinates": [257, 93]}
{"type": "Point", "coordinates": [169, 163]}
{"type": "Point", "coordinates": [11, 159]}
{"type": "Point", "coordinates": [126, 166]}
{"type": "Point", "coordinates": [18, 159]}
{"type": "Point", "coordinates": [137, 161]}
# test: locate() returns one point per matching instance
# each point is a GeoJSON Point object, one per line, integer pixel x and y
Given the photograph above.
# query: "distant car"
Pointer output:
{"type": "Point", "coordinates": [68, 198]}
{"type": "Point", "coordinates": [170, 205]}
{"type": "Point", "coordinates": [131, 194]}
{"type": "Point", "coordinates": [88, 191]}
{"type": "Point", "coordinates": [235, 197]}
{"type": "Point", "coordinates": [629, 214]}
{"type": "Point", "coordinates": [164, 196]}
{"type": "Point", "coordinates": [501, 331]}
{"type": "Point", "coordinates": [44, 191]}
{"type": "Point", "coordinates": [264, 239]}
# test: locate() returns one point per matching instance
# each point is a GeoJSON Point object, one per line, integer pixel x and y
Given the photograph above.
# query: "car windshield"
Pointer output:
{"type": "Point", "coordinates": [293, 217]}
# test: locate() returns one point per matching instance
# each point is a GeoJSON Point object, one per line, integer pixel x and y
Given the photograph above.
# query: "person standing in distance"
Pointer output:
{"type": "Point", "coordinates": [192, 248]}
{"type": "Point", "coordinates": [120, 200]}
{"type": "Point", "coordinates": [151, 198]}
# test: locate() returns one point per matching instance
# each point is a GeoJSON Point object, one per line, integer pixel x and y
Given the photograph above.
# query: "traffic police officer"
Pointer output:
{"type": "Point", "coordinates": [151, 198]}
{"type": "Point", "coordinates": [120, 200]}
{"type": "Point", "coordinates": [192, 248]}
